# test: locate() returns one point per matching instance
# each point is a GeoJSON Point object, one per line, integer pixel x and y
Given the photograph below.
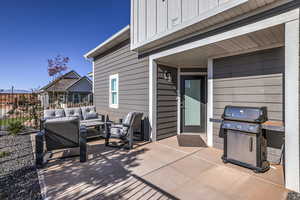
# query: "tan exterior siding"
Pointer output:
{"type": "Point", "coordinates": [254, 79]}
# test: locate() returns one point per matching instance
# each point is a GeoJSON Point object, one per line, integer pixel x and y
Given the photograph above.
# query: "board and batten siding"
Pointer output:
{"type": "Point", "coordinates": [254, 79]}
{"type": "Point", "coordinates": [163, 21]}
{"type": "Point", "coordinates": [133, 82]}
{"type": "Point", "coordinates": [166, 102]}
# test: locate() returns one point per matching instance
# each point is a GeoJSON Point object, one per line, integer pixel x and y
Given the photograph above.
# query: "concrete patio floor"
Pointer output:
{"type": "Point", "coordinates": [173, 168]}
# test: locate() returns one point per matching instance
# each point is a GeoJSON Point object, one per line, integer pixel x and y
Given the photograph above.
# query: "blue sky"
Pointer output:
{"type": "Point", "coordinates": [31, 31]}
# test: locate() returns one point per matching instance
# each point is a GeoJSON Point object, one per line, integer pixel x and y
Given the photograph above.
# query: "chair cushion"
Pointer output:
{"type": "Point", "coordinates": [73, 112]}
{"type": "Point", "coordinates": [128, 118]}
{"type": "Point", "coordinates": [89, 112]}
{"type": "Point", "coordinates": [54, 113]}
{"type": "Point", "coordinates": [116, 132]}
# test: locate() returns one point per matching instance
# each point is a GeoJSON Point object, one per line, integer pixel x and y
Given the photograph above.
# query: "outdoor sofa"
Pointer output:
{"type": "Point", "coordinates": [87, 115]}
{"type": "Point", "coordinates": [63, 129]}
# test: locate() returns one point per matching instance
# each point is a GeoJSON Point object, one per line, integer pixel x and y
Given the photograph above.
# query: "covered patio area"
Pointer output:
{"type": "Point", "coordinates": [253, 65]}
{"type": "Point", "coordinates": [180, 167]}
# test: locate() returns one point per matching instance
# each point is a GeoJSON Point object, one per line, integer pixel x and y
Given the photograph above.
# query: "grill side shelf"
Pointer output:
{"type": "Point", "coordinates": [268, 125]}
{"type": "Point", "coordinates": [273, 126]}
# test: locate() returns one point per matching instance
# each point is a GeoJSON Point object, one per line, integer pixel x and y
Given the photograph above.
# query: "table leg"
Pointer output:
{"type": "Point", "coordinates": [107, 133]}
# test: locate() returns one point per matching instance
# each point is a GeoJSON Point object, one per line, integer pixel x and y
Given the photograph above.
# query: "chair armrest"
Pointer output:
{"type": "Point", "coordinates": [126, 125]}
{"type": "Point", "coordinates": [100, 116]}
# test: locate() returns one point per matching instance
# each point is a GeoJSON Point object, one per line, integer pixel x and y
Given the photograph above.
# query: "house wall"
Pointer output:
{"type": "Point", "coordinates": [133, 82]}
{"type": "Point", "coordinates": [254, 79]}
{"type": "Point", "coordinates": [166, 102]}
{"type": "Point", "coordinates": [163, 21]}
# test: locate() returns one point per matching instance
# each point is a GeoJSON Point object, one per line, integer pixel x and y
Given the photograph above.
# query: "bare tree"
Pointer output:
{"type": "Point", "coordinates": [57, 65]}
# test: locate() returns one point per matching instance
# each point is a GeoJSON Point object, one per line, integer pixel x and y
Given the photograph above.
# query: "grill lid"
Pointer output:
{"type": "Point", "coordinates": [246, 114]}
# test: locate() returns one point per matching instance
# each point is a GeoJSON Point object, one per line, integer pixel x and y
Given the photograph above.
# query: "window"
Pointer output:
{"type": "Point", "coordinates": [114, 91]}
{"type": "Point", "coordinates": [76, 98]}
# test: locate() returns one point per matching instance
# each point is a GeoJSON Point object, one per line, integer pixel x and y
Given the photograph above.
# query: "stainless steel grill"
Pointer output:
{"type": "Point", "coordinates": [245, 141]}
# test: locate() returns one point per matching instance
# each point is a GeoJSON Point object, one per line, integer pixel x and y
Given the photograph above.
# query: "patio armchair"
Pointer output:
{"type": "Point", "coordinates": [125, 131]}
{"type": "Point", "coordinates": [60, 133]}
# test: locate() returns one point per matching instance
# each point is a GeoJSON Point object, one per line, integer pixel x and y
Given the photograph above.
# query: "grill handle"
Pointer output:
{"type": "Point", "coordinates": [251, 144]}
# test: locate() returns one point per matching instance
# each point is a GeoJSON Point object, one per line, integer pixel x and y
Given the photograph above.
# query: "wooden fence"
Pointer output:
{"type": "Point", "coordinates": [26, 109]}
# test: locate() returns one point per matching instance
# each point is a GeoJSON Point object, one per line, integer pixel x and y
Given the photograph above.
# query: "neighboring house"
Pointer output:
{"type": "Point", "coordinates": [183, 61]}
{"type": "Point", "coordinates": [69, 88]}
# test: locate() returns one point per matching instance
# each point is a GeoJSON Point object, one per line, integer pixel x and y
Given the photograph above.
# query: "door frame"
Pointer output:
{"type": "Point", "coordinates": [202, 75]}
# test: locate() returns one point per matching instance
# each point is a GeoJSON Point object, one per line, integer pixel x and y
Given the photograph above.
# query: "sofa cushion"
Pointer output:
{"type": "Point", "coordinates": [54, 113]}
{"type": "Point", "coordinates": [89, 112]}
{"type": "Point", "coordinates": [73, 112]}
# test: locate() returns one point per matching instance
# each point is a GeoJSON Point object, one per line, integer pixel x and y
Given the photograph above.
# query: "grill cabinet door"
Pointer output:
{"type": "Point", "coordinates": [241, 147]}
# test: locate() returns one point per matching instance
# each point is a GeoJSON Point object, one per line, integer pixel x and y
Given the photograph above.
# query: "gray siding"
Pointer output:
{"type": "Point", "coordinates": [254, 79]}
{"type": "Point", "coordinates": [83, 85]}
{"type": "Point", "coordinates": [166, 103]}
{"type": "Point", "coordinates": [133, 81]}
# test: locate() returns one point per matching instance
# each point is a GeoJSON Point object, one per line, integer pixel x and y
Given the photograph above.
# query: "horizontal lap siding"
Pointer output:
{"type": "Point", "coordinates": [166, 103]}
{"type": "Point", "coordinates": [133, 82]}
{"type": "Point", "coordinates": [254, 79]}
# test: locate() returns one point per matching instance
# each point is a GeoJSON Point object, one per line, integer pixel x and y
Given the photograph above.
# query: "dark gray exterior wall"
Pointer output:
{"type": "Point", "coordinates": [166, 102]}
{"type": "Point", "coordinates": [133, 82]}
{"type": "Point", "coordinates": [254, 79]}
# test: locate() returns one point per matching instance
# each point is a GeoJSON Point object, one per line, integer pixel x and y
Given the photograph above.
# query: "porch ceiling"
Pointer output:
{"type": "Point", "coordinates": [259, 40]}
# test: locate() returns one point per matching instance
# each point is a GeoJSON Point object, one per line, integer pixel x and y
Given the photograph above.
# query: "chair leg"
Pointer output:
{"type": "Point", "coordinates": [130, 141]}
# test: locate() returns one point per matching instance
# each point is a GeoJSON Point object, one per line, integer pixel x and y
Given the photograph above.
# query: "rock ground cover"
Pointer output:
{"type": "Point", "coordinates": [18, 174]}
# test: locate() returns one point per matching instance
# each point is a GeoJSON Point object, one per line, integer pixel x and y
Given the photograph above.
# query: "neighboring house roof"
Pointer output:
{"type": "Point", "coordinates": [117, 38]}
{"type": "Point", "coordinates": [70, 75]}
{"type": "Point", "coordinates": [65, 82]}
{"type": "Point", "coordinates": [62, 85]}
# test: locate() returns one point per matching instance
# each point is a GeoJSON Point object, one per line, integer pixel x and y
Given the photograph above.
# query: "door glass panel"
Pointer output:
{"type": "Point", "coordinates": [192, 103]}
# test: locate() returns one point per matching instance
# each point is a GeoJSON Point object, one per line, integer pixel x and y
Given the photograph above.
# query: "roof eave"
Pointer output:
{"type": "Point", "coordinates": [117, 38]}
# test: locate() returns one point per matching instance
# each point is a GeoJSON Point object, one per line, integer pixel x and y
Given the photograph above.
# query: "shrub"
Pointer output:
{"type": "Point", "coordinates": [3, 154]}
{"type": "Point", "coordinates": [15, 127]}
{"type": "Point", "coordinates": [10, 112]}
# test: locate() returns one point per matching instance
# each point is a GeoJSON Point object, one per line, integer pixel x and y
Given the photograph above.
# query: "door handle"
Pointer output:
{"type": "Point", "coordinates": [251, 144]}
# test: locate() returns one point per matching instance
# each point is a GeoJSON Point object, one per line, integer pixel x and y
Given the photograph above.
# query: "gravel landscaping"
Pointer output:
{"type": "Point", "coordinates": [18, 175]}
{"type": "Point", "coordinates": [293, 196]}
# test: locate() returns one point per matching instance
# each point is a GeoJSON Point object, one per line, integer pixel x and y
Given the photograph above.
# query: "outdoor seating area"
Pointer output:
{"type": "Point", "coordinates": [180, 167]}
{"type": "Point", "coordinates": [68, 128]}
